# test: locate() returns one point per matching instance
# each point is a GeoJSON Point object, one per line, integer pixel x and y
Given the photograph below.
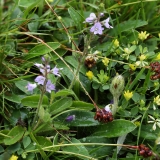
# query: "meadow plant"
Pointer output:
{"type": "Point", "coordinates": [79, 80]}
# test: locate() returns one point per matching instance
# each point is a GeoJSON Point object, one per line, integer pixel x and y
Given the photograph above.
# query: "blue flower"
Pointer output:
{"type": "Point", "coordinates": [50, 86]}
{"type": "Point", "coordinates": [97, 28]}
{"type": "Point", "coordinates": [40, 80]}
{"type": "Point", "coordinates": [106, 23]}
{"type": "Point", "coordinates": [30, 87]}
{"type": "Point", "coordinates": [56, 70]}
{"type": "Point", "coordinates": [91, 18]}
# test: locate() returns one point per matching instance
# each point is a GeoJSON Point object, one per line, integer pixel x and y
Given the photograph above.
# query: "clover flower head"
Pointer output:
{"type": "Point", "coordinates": [154, 121]}
{"type": "Point", "coordinates": [13, 157]}
{"type": "Point", "coordinates": [132, 66]}
{"type": "Point", "coordinates": [50, 86]}
{"type": "Point", "coordinates": [157, 100]}
{"type": "Point", "coordinates": [128, 95]}
{"type": "Point", "coordinates": [30, 87]}
{"type": "Point", "coordinates": [157, 57]}
{"type": "Point", "coordinates": [92, 17]}
{"type": "Point", "coordinates": [106, 23]}
{"type": "Point", "coordinates": [143, 35]}
{"type": "Point", "coordinates": [89, 74]}
{"type": "Point", "coordinates": [70, 118]}
{"type": "Point", "coordinates": [142, 57]}
{"type": "Point", "coordinates": [116, 43]}
{"type": "Point", "coordinates": [97, 28]}
{"type": "Point", "coordinates": [105, 61]}
{"type": "Point", "coordinates": [56, 70]}
{"type": "Point", "coordinates": [40, 80]}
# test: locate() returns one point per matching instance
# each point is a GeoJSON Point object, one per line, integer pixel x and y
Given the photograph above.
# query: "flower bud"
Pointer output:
{"type": "Point", "coordinates": [117, 85]}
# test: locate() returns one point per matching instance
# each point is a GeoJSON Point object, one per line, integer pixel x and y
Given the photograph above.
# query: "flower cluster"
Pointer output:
{"type": "Point", "coordinates": [144, 151]}
{"type": "Point", "coordinates": [43, 79]}
{"type": "Point", "coordinates": [97, 27]}
{"type": "Point", "coordinates": [104, 115]}
{"type": "Point", "coordinates": [155, 66]}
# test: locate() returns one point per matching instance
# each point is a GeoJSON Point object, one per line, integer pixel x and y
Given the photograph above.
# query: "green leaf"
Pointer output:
{"type": "Point", "coordinates": [26, 3]}
{"type": "Point", "coordinates": [95, 150]}
{"type": "Point", "coordinates": [41, 49]}
{"type": "Point", "coordinates": [15, 135]}
{"type": "Point", "coordinates": [65, 92]}
{"type": "Point", "coordinates": [26, 141]}
{"type": "Point", "coordinates": [80, 151]}
{"type": "Point", "coordinates": [32, 101]}
{"type": "Point", "coordinates": [60, 105]}
{"type": "Point", "coordinates": [14, 98]}
{"type": "Point", "coordinates": [76, 17]}
{"type": "Point", "coordinates": [115, 129]}
{"type": "Point", "coordinates": [128, 25]}
{"type": "Point", "coordinates": [82, 118]}
{"type": "Point", "coordinates": [82, 105]}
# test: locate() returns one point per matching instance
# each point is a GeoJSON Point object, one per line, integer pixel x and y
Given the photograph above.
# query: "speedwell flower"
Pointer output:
{"type": "Point", "coordinates": [143, 35]}
{"type": "Point", "coordinates": [30, 87]}
{"type": "Point", "coordinates": [128, 95]}
{"type": "Point", "coordinates": [155, 122]}
{"type": "Point", "coordinates": [70, 118]}
{"type": "Point", "coordinates": [56, 70]}
{"type": "Point", "coordinates": [50, 86]}
{"type": "Point", "coordinates": [97, 28]}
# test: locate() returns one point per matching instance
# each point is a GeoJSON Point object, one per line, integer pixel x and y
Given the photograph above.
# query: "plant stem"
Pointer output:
{"type": "Point", "coordinates": [115, 104]}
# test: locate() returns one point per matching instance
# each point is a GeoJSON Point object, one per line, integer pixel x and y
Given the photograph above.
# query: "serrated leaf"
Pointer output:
{"type": "Point", "coordinates": [115, 129]}
{"type": "Point", "coordinates": [15, 135]}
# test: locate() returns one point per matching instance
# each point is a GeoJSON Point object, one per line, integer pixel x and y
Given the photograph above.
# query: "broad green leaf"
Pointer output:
{"type": "Point", "coordinates": [65, 92]}
{"type": "Point", "coordinates": [14, 98]}
{"type": "Point", "coordinates": [115, 129]}
{"type": "Point", "coordinates": [15, 134]}
{"type": "Point", "coordinates": [60, 105]}
{"type": "Point", "coordinates": [97, 151]}
{"type": "Point", "coordinates": [81, 151]}
{"type": "Point", "coordinates": [32, 101]}
{"type": "Point", "coordinates": [26, 141]}
{"type": "Point", "coordinates": [41, 49]}
{"type": "Point", "coordinates": [26, 3]}
{"type": "Point", "coordinates": [82, 118]}
{"type": "Point", "coordinates": [128, 25]}
{"type": "Point", "coordinates": [76, 17]}
{"type": "Point", "coordinates": [82, 105]}
{"type": "Point", "coordinates": [43, 141]}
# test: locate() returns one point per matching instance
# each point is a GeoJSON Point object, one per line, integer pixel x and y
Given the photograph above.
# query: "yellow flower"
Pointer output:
{"type": "Point", "coordinates": [89, 74]}
{"type": "Point", "coordinates": [105, 61]}
{"type": "Point", "coordinates": [116, 43]}
{"type": "Point", "coordinates": [128, 95]}
{"type": "Point", "coordinates": [142, 57]}
{"type": "Point", "coordinates": [132, 66]}
{"type": "Point", "coordinates": [13, 157]}
{"type": "Point", "coordinates": [159, 35]}
{"type": "Point", "coordinates": [157, 100]}
{"type": "Point", "coordinates": [137, 123]}
{"type": "Point", "coordinates": [142, 36]}
{"type": "Point", "coordinates": [157, 57]}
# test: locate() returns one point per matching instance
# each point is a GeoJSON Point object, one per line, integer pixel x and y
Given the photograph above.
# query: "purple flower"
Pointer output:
{"type": "Point", "coordinates": [70, 118]}
{"type": "Point", "coordinates": [39, 65]}
{"type": "Point", "coordinates": [101, 14]}
{"type": "Point", "coordinates": [106, 23]}
{"type": "Point", "coordinates": [30, 87]}
{"type": "Point", "coordinates": [56, 70]}
{"type": "Point", "coordinates": [97, 28]}
{"type": "Point", "coordinates": [50, 86]}
{"type": "Point", "coordinates": [40, 79]}
{"type": "Point", "coordinates": [92, 17]}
